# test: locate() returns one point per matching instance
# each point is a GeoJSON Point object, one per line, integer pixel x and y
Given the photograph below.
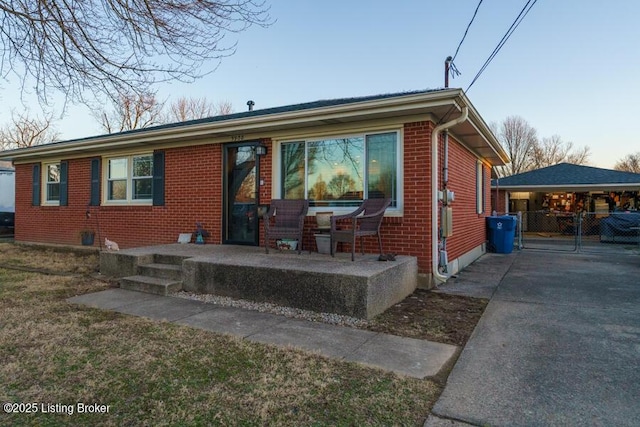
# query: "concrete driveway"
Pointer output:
{"type": "Point", "coordinates": [559, 344]}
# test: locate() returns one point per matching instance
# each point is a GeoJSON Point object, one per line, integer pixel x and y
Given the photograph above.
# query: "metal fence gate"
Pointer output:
{"type": "Point", "coordinates": [617, 232]}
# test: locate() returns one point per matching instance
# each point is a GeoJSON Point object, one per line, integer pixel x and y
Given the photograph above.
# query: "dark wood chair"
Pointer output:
{"type": "Point", "coordinates": [364, 221]}
{"type": "Point", "coordinates": [285, 220]}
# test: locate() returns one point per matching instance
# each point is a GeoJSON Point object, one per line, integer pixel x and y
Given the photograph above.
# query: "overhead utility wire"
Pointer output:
{"type": "Point", "coordinates": [466, 31]}
{"type": "Point", "coordinates": [523, 13]}
{"type": "Point", "coordinates": [452, 66]}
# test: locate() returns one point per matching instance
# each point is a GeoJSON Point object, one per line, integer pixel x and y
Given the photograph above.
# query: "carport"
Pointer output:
{"type": "Point", "coordinates": [572, 207]}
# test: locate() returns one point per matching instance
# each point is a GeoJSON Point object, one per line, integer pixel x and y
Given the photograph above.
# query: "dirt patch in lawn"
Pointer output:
{"type": "Point", "coordinates": [432, 316]}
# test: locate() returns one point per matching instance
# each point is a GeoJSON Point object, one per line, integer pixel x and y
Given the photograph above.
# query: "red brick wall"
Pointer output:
{"type": "Point", "coordinates": [193, 192]}
{"type": "Point", "coordinates": [411, 234]}
{"type": "Point", "coordinates": [468, 226]}
{"type": "Point", "coordinates": [499, 203]}
{"type": "Point", "coordinates": [52, 224]}
{"type": "Point", "coordinates": [265, 187]}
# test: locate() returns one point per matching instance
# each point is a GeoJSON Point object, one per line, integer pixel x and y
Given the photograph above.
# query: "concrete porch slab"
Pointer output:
{"type": "Point", "coordinates": [310, 281]}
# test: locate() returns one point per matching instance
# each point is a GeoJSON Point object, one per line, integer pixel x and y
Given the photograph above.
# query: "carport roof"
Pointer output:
{"type": "Point", "coordinates": [568, 177]}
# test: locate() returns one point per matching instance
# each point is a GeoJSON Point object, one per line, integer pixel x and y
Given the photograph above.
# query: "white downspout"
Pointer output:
{"type": "Point", "coordinates": [439, 278]}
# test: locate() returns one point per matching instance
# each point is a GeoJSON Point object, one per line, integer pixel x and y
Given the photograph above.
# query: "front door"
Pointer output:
{"type": "Point", "coordinates": [240, 219]}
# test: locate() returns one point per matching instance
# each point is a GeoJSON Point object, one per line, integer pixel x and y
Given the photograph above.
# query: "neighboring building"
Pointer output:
{"type": "Point", "coordinates": [7, 199]}
{"type": "Point", "coordinates": [146, 186]}
{"type": "Point", "coordinates": [7, 187]}
{"type": "Point", "coordinates": [566, 188]}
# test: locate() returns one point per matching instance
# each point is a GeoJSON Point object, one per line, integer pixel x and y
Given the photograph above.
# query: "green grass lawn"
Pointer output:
{"type": "Point", "coordinates": [152, 373]}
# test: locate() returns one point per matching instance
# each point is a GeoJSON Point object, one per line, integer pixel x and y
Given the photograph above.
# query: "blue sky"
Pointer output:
{"type": "Point", "coordinates": [570, 69]}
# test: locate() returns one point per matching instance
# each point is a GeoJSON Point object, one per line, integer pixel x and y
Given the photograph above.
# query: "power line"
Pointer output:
{"type": "Point", "coordinates": [466, 31]}
{"type": "Point", "coordinates": [523, 13]}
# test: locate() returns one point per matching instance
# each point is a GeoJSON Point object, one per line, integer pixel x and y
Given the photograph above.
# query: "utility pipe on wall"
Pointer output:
{"type": "Point", "coordinates": [439, 278]}
{"type": "Point", "coordinates": [442, 249]}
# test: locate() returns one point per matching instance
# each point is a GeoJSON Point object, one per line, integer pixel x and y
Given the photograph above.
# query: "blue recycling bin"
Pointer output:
{"type": "Point", "coordinates": [502, 231]}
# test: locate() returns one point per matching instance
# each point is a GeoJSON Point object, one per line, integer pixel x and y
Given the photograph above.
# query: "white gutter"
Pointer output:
{"type": "Point", "coordinates": [439, 278]}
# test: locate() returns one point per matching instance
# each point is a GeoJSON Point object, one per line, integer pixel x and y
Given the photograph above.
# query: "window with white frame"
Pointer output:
{"type": "Point", "coordinates": [129, 178]}
{"type": "Point", "coordinates": [341, 171]}
{"type": "Point", "coordinates": [480, 187]}
{"type": "Point", "coordinates": [52, 183]}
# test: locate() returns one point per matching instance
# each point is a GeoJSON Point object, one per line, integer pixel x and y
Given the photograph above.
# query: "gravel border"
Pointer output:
{"type": "Point", "coordinates": [265, 307]}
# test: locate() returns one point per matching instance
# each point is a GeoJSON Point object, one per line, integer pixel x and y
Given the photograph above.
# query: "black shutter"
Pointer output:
{"type": "Point", "coordinates": [64, 172]}
{"type": "Point", "coordinates": [158, 178]}
{"type": "Point", "coordinates": [94, 199]}
{"type": "Point", "coordinates": [35, 185]}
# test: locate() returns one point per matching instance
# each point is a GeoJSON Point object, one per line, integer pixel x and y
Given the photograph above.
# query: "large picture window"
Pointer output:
{"type": "Point", "coordinates": [130, 178]}
{"type": "Point", "coordinates": [341, 171]}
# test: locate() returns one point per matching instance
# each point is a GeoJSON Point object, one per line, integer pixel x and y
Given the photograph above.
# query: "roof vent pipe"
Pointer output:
{"type": "Point", "coordinates": [250, 104]}
{"type": "Point", "coordinates": [447, 64]}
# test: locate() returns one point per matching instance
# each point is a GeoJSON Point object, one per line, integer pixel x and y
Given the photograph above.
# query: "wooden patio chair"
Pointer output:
{"type": "Point", "coordinates": [285, 220]}
{"type": "Point", "coordinates": [367, 224]}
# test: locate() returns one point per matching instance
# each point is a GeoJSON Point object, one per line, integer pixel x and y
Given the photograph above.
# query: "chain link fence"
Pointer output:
{"type": "Point", "coordinates": [584, 232]}
{"type": "Point", "coordinates": [610, 233]}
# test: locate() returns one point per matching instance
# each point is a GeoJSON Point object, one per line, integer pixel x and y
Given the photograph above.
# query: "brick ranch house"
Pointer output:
{"type": "Point", "coordinates": [146, 186]}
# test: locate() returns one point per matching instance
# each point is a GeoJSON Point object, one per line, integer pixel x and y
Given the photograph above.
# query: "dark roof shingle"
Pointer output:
{"type": "Point", "coordinates": [270, 111]}
{"type": "Point", "coordinates": [568, 174]}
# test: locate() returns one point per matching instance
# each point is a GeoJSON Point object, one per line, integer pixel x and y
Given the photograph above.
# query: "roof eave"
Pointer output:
{"type": "Point", "coordinates": [409, 104]}
{"type": "Point", "coordinates": [491, 148]}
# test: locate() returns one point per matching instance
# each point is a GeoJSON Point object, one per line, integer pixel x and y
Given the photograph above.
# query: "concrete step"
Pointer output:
{"type": "Point", "coordinates": [150, 285]}
{"type": "Point", "coordinates": [168, 259]}
{"type": "Point", "coordinates": [161, 271]}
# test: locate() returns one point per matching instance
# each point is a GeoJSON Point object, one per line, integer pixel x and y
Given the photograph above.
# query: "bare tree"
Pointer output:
{"type": "Point", "coordinates": [184, 109]}
{"type": "Point", "coordinates": [579, 157]}
{"type": "Point", "coordinates": [518, 139]}
{"type": "Point", "coordinates": [132, 112]}
{"type": "Point", "coordinates": [527, 152]}
{"type": "Point", "coordinates": [106, 48]}
{"type": "Point", "coordinates": [223, 108]}
{"type": "Point", "coordinates": [629, 163]}
{"type": "Point", "coordinates": [340, 185]}
{"type": "Point", "coordinates": [553, 150]}
{"type": "Point", "coordinates": [319, 189]}
{"type": "Point", "coordinates": [24, 131]}
{"type": "Point", "coordinates": [143, 111]}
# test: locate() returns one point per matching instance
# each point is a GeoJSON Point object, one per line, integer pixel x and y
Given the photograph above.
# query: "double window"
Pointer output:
{"type": "Point", "coordinates": [341, 171]}
{"type": "Point", "coordinates": [129, 179]}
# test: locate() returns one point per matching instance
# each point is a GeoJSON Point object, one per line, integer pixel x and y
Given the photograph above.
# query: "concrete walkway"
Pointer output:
{"type": "Point", "coordinates": [559, 343]}
{"type": "Point", "coordinates": [404, 356]}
